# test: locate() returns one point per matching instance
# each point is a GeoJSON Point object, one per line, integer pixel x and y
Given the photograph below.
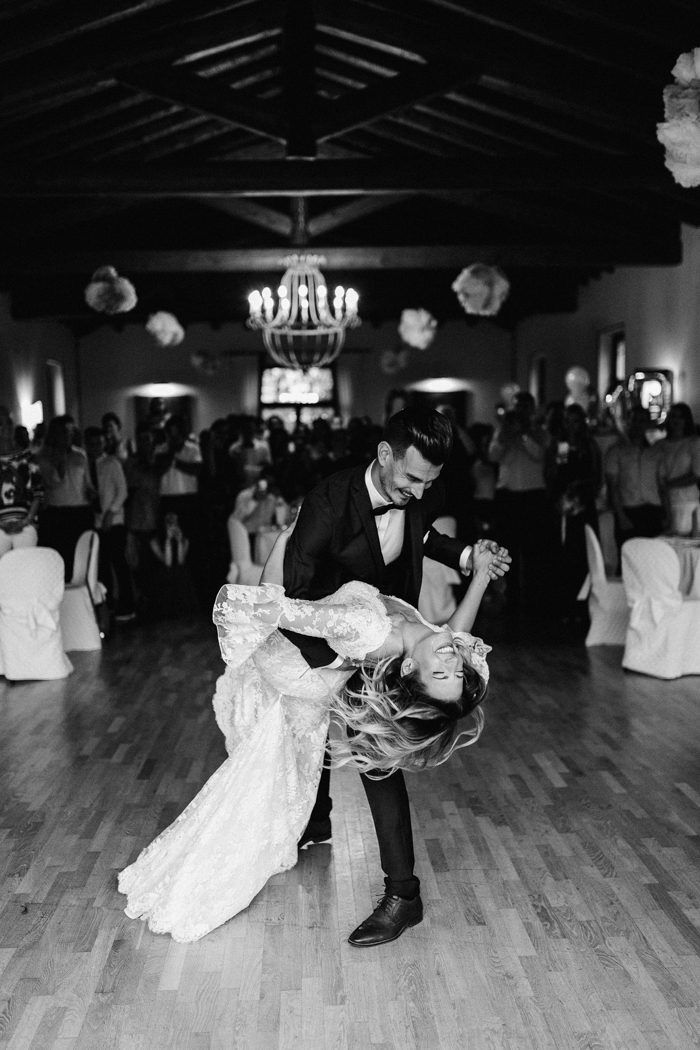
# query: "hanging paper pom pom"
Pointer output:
{"type": "Point", "coordinates": [417, 328]}
{"type": "Point", "coordinates": [392, 361]}
{"type": "Point", "coordinates": [680, 134]}
{"type": "Point", "coordinates": [165, 328]}
{"type": "Point", "coordinates": [108, 293]}
{"type": "Point", "coordinates": [481, 289]}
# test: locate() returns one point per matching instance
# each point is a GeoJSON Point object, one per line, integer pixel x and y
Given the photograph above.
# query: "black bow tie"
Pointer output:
{"type": "Point", "coordinates": [377, 511]}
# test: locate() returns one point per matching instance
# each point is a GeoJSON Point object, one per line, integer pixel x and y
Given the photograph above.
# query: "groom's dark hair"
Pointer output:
{"type": "Point", "coordinates": [425, 429]}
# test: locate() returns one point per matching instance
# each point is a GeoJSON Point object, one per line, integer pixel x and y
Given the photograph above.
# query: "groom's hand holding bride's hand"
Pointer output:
{"type": "Point", "coordinates": [500, 559]}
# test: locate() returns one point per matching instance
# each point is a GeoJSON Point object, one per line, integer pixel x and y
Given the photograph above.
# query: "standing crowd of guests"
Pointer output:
{"type": "Point", "coordinates": [161, 502]}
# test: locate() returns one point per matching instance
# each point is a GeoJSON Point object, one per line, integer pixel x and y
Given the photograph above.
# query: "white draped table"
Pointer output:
{"type": "Point", "coordinates": [688, 550]}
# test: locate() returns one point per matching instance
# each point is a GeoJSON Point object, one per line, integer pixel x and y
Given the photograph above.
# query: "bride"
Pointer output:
{"type": "Point", "coordinates": [399, 695]}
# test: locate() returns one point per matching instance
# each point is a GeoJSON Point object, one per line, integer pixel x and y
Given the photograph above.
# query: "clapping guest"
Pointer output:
{"type": "Point", "coordinates": [69, 493]}
{"type": "Point", "coordinates": [679, 469]}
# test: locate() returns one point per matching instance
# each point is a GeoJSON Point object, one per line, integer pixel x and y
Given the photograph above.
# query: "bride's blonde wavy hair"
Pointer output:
{"type": "Point", "coordinates": [393, 723]}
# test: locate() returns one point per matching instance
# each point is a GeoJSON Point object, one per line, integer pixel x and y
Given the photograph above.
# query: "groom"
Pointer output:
{"type": "Point", "coordinates": [375, 524]}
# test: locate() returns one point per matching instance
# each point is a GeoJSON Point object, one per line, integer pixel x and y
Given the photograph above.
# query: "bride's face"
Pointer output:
{"type": "Point", "coordinates": [438, 663]}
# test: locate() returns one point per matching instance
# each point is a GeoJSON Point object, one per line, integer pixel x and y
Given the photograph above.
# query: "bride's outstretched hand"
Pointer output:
{"type": "Point", "coordinates": [273, 572]}
{"type": "Point", "coordinates": [493, 557]}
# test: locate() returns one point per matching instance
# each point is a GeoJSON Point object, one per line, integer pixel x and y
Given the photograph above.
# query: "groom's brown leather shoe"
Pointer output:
{"type": "Point", "coordinates": [389, 919]}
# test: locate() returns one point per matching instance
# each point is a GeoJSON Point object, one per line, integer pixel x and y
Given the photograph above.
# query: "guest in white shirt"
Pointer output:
{"type": "Point", "coordinates": [108, 478]}
{"type": "Point", "coordinates": [631, 469]}
{"type": "Point", "coordinates": [67, 509]}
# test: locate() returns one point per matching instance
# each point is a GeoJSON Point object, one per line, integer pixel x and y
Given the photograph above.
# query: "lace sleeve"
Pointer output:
{"type": "Point", "coordinates": [244, 618]}
{"type": "Point", "coordinates": [353, 620]}
{"type": "Point", "coordinates": [477, 652]}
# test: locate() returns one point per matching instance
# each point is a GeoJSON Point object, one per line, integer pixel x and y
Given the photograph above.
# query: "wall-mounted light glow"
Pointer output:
{"type": "Point", "coordinates": [441, 385]}
{"type": "Point", "coordinates": [162, 390]}
{"type": "Point", "coordinates": [31, 414]}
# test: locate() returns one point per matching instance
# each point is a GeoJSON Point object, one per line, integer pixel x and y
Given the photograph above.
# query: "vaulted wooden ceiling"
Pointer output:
{"type": "Point", "coordinates": [194, 143]}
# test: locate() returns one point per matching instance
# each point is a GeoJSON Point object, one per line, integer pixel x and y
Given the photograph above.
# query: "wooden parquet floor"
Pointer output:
{"type": "Point", "coordinates": [559, 862]}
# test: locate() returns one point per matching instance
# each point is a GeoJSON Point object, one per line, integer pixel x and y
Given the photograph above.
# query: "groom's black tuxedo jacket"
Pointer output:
{"type": "Point", "coordinates": [335, 540]}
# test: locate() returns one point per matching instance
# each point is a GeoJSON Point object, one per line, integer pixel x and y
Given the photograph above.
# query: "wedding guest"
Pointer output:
{"type": "Point", "coordinates": [524, 521]}
{"type": "Point", "coordinates": [483, 477]}
{"type": "Point", "coordinates": [251, 450]}
{"type": "Point", "coordinates": [631, 468]}
{"type": "Point", "coordinates": [67, 511]}
{"type": "Point", "coordinates": [115, 443]}
{"type": "Point", "coordinates": [679, 470]}
{"type": "Point", "coordinates": [108, 479]}
{"type": "Point", "coordinates": [457, 475]}
{"type": "Point", "coordinates": [575, 474]}
{"type": "Point", "coordinates": [173, 579]}
{"type": "Point", "coordinates": [21, 488]}
{"type": "Point", "coordinates": [142, 516]}
{"type": "Point", "coordinates": [22, 439]}
{"type": "Point", "coordinates": [179, 462]}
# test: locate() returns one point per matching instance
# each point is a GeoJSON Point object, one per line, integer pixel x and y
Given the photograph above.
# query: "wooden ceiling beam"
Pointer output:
{"type": "Point", "coordinates": [451, 37]}
{"type": "Point", "coordinates": [158, 37]}
{"type": "Point", "coordinates": [401, 257]}
{"type": "Point", "coordinates": [350, 212]}
{"type": "Point", "coordinates": [575, 102]}
{"type": "Point", "coordinates": [361, 107]}
{"type": "Point", "coordinates": [499, 26]}
{"type": "Point", "coordinates": [332, 177]}
{"type": "Point", "coordinates": [29, 33]}
{"type": "Point", "coordinates": [207, 97]}
{"type": "Point", "coordinates": [257, 214]}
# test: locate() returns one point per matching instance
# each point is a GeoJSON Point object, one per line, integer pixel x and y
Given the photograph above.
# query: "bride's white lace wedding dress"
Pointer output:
{"type": "Point", "coordinates": [245, 823]}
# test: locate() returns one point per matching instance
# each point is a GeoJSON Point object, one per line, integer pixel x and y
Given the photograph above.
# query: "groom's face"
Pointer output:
{"type": "Point", "coordinates": [406, 476]}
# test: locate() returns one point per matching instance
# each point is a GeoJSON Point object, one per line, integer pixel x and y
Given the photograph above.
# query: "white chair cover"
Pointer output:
{"type": "Point", "coordinates": [31, 589]}
{"type": "Point", "coordinates": [436, 600]}
{"type": "Point", "coordinates": [78, 622]}
{"type": "Point", "coordinates": [663, 637]}
{"type": "Point", "coordinates": [607, 602]}
{"type": "Point", "coordinates": [242, 569]}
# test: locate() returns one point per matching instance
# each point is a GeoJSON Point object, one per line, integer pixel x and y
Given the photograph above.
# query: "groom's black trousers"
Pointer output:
{"type": "Point", "coordinates": [391, 813]}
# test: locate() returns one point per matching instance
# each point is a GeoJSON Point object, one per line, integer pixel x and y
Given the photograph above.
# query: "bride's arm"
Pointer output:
{"type": "Point", "coordinates": [464, 615]}
{"type": "Point", "coordinates": [273, 571]}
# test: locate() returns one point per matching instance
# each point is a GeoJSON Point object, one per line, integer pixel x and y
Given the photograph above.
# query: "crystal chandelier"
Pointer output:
{"type": "Point", "coordinates": [303, 328]}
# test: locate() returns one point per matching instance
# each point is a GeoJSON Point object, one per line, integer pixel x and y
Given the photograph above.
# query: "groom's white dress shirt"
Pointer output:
{"type": "Point", "coordinates": [390, 526]}
{"type": "Point", "coordinates": [390, 529]}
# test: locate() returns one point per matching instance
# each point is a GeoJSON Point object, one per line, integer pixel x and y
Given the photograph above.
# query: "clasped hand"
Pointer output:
{"type": "Point", "coordinates": [489, 556]}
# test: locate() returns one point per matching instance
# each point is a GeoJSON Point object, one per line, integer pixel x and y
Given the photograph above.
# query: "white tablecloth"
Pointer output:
{"type": "Point", "coordinates": [688, 551]}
